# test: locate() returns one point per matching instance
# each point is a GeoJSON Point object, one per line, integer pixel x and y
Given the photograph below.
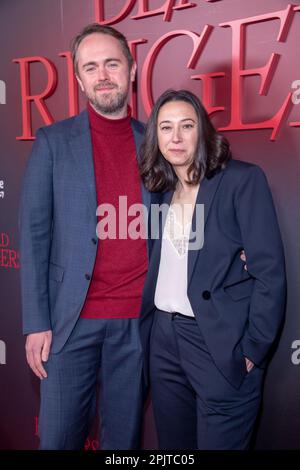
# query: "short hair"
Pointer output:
{"type": "Point", "coordinates": [212, 151]}
{"type": "Point", "coordinates": [100, 29]}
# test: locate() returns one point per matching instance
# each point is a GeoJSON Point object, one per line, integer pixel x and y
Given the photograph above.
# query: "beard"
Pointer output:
{"type": "Point", "coordinates": [108, 103]}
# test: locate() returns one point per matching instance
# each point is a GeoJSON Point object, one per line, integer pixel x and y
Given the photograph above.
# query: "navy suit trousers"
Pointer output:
{"type": "Point", "coordinates": [104, 352]}
{"type": "Point", "coordinates": [194, 405]}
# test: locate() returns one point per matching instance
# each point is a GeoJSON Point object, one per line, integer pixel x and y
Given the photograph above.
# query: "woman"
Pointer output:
{"type": "Point", "coordinates": [213, 322]}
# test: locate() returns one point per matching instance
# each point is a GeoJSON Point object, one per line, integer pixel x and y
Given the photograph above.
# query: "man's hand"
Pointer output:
{"type": "Point", "coordinates": [249, 364]}
{"type": "Point", "coordinates": [37, 350]}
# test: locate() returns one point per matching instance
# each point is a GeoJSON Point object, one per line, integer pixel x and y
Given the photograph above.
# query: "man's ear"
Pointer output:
{"type": "Point", "coordinates": [79, 82]}
{"type": "Point", "coordinates": [133, 72]}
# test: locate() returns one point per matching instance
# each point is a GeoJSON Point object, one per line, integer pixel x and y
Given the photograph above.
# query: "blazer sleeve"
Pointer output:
{"type": "Point", "coordinates": [35, 223]}
{"type": "Point", "coordinates": [265, 263]}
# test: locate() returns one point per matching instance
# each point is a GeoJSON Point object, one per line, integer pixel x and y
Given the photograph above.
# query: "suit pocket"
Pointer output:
{"type": "Point", "coordinates": [56, 273]}
{"type": "Point", "coordinates": [240, 290]}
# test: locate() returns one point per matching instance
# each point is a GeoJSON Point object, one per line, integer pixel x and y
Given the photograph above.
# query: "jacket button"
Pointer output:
{"type": "Point", "coordinates": [88, 277]}
{"type": "Point", "coordinates": [206, 295]}
{"type": "Point", "coordinates": [94, 241]}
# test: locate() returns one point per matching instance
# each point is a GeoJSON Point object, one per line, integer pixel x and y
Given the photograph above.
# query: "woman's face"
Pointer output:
{"type": "Point", "coordinates": [177, 132]}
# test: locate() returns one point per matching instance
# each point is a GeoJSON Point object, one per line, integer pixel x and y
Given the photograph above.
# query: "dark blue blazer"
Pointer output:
{"type": "Point", "coordinates": [58, 241]}
{"type": "Point", "coordinates": [239, 312]}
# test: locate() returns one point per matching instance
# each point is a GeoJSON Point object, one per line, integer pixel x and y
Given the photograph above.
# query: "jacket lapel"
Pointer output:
{"type": "Point", "coordinates": [156, 230]}
{"type": "Point", "coordinates": [81, 145]}
{"type": "Point", "coordinates": [206, 193]}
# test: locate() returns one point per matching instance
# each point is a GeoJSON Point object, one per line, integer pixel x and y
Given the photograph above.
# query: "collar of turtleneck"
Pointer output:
{"type": "Point", "coordinates": [104, 125]}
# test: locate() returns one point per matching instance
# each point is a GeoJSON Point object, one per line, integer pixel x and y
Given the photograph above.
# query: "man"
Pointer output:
{"type": "Point", "coordinates": [81, 297]}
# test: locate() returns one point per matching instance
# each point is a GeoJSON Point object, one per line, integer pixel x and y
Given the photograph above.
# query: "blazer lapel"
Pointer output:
{"type": "Point", "coordinates": [206, 193]}
{"type": "Point", "coordinates": [81, 145]}
{"type": "Point", "coordinates": [156, 229]}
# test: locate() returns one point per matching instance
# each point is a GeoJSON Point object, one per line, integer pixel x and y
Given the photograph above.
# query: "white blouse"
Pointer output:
{"type": "Point", "coordinates": [171, 286]}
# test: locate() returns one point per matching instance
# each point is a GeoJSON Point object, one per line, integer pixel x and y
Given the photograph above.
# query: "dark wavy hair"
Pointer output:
{"type": "Point", "coordinates": [100, 29]}
{"type": "Point", "coordinates": [212, 152]}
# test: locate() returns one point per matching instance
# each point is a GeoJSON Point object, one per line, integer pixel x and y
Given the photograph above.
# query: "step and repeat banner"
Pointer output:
{"type": "Point", "coordinates": [242, 59]}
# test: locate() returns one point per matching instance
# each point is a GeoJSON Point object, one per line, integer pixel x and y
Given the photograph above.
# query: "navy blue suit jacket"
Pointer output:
{"type": "Point", "coordinates": [58, 239]}
{"type": "Point", "coordinates": [239, 312]}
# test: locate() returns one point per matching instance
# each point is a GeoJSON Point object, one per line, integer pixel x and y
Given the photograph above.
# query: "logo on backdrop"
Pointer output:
{"type": "Point", "coordinates": [2, 352]}
{"type": "Point", "coordinates": [295, 357]}
{"type": "Point", "coordinates": [9, 258]}
{"type": "Point", "coordinates": [2, 92]}
{"type": "Point", "coordinates": [154, 45]}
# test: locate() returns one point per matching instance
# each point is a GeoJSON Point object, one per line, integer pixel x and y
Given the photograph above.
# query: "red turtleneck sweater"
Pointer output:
{"type": "Point", "coordinates": [119, 273]}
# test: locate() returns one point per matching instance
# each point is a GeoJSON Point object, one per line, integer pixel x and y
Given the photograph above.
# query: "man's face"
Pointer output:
{"type": "Point", "coordinates": [104, 75]}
